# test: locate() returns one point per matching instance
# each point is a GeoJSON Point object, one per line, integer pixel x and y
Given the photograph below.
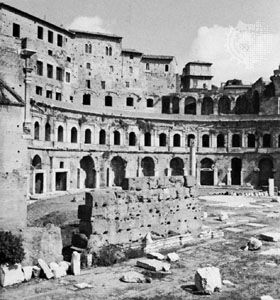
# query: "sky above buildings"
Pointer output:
{"type": "Point", "coordinates": [240, 37]}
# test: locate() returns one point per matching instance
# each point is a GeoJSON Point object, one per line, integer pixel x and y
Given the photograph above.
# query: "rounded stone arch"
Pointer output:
{"type": "Point", "coordinates": [87, 163]}
{"type": "Point", "coordinates": [191, 138]}
{"type": "Point", "coordinates": [37, 127]}
{"type": "Point", "coordinates": [118, 166]}
{"type": "Point", "coordinates": [241, 105]}
{"type": "Point", "coordinates": [177, 139]}
{"type": "Point", "coordinates": [88, 135]}
{"type": "Point", "coordinates": [265, 166]}
{"type": "Point", "coordinates": [148, 166]}
{"type": "Point", "coordinates": [60, 133]}
{"type": "Point", "coordinates": [221, 140]}
{"type": "Point", "coordinates": [132, 138]}
{"type": "Point", "coordinates": [177, 166]}
{"type": "Point", "coordinates": [190, 106]}
{"type": "Point", "coordinates": [206, 171]}
{"type": "Point", "coordinates": [36, 162]}
{"type": "Point", "coordinates": [224, 105]}
{"type": "Point", "coordinates": [162, 139]}
{"type": "Point", "coordinates": [207, 106]}
{"type": "Point", "coordinates": [74, 135]}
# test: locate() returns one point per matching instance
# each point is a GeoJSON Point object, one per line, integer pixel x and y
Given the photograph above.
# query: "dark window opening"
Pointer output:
{"type": "Point", "coordinates": [162, 140]}
{"type": "Point", "coordinates": [191, 139]}
{"type": "Point", "coordinates": [39, 66]}
{"type": "Point", "coordinates": [147, 67]}
{"type": "Point", "coordinates": [39, 90]}
{"type": "Point", "coordinates": [190, 106]}
{"type": "Point", "coordinates": [61, 165]}
{"type": "Point", "coordinates": [207, 107]}
{"type": "Point", "coordinates": [36, 131]}
{"type": "Point", "coordinates": [127, 84]}
{"type": "Point", "coordinates": [117, 138]}
{"type": "Point", "coordinates": [50, 36]}
{"type": "Point", "coordinates": [205, 141]}
{"type": "Point", "coordinates": [251, 140]}
{"type": "Point", "coordinates": [49, 71]}
{"type": "Point", "coordinates": [279, 141]}
{"type": "Point", "coordinates": [39, 183]}
{"type": "Point", "coordinates": [88, 65]}
{"type": "Point", "coordinates": [224, 105]}
{"type": "Point", "coordinates": [74, 135]}
{"type": "Point", "coordinates": [267, 141]}
{"type": "Point", "coordinates": [68, 77]}
{"type": "Point", "coordinates": [176, 140]}
{"type": "Point", "coordinates": [220, 141]}
{"type": "Point", "coordinates": [147, 139]}
{"type": "Point", "coordinates": [61, 181]}
{"type": "Point", "coordinates": [40, 32]}
{"type": "Point", "coordinates": [103, 85]}
{"type": "Point", "coordinates": [47, 132]}
{"type": "Point", "coordinates": [148, 166]}
{"type": "Point", "coordinates": [49, 94]}
{"type": "Point", "coordinates": [59, 74]}
{"type": "Point", "coordinates": [86, 99]}
{"type": "Point", "coordinates": [88, 84]}
{"type": "Point", "coordinates": [16, 30]}
{"type": "Point", "coordinates": [68, 58]}
{"type": "Point", "coordinates": [166, 68]}
{"type": "Point", "coordinates": [58, 96]}
{"type": "Point", "coordinates": [166, 105]}
{"type": "Point", "coordinates": [175, 106]}
{"type": "Point", "coordinates": [50, 53]}
{"type": "Point", "coordinates": [60, 134]}
{"type": "Point", "coordinates": [102, 137]}
{"type": "Point", "coordinates": [150, 103]}
{"type": "Point", "coordinates": [59, 40]}
{"type": "Point", "coordinates": [132, 139]}
{"type": "Point", "coordinates": [236, 140]}
{"type": "Point", "coordinates": [129, 101]}
{"type": "Point", "coordinates": [108, 101]}
{"type": "Point", "coordinates": [88, 136]}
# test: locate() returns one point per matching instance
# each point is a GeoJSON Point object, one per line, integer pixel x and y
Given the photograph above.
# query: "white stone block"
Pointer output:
{"type": "Point", "coordinates": [27, 272]}
{"type": "Point", "coordinates": [76, 263]}
{"type": "Point", "coordinates": [11, 274]}
{"type": "Point", "coordinates": [173, 257]}
{"type": "Point", "coordinates": [208, 280]}
{"type": "Point", "coordinates": [155, 255]}
{"type": "Point", "coordinates": [47, 271]}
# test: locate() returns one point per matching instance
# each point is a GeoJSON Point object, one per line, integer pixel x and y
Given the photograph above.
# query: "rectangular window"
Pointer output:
{"type": "Point", "coordinates": [127, 84]}
{"type": "Point", "coordinates": [59, 40]}
{"type": "Point", "coordinates": [166, 68]}
{"type": "Point", "coordinates": [68, 77]}
{"type": "Point", "coordinates": [129, 101]}
{"type": "Point", "coordinates": [39, 90]}
{"type": "Point", "coordinates": [40, 33]}
{"type": "Point", "coordinates": [88, 84]}
{"type": "Point", "coordinates": [39, 66]}
{"type": "Point", "coordinates": [103, 85]}
{"type": "Point", "coordinates": [59, 74]}
{"type": "Point", "coordinates": [50, 36]}
{"type": "Point", "coordinates": [68, 58]}
{"type": "Point", "coordinates": [71, 98]}
{"type": "Point", "coordinates": [58, 96]}
{"type": "Point", "coordinates": [50, 53]}
{"type": "Point", "coordinates": [16, 30]}
{"type": "Point", "coordinates": [49, 71]}
{"type": "Point", "coordinates": [49, 94]}
{"type": "Point", "coordinates": [88, 65]}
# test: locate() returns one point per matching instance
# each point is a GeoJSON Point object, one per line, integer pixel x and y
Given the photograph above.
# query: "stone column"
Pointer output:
{"type": "Point", "coordinates": [27, 115]}
{"type": "Point", "coordinates": [228, 141]}
{"type": "Point", "coordinates": [198, 175]}
{"type": "Point", "coordinates": [271, 187]}
{"type": "Point", "coordinates": [97, 179]}
{"type": "Point", "coordinates": [215, 107]}
{"type": "Point", "coordinates": [229, 176]}
{"type": "Point", "coordinates": [244, 140]}
{"type": "Point", "coordinates": [111, 177]}
{"type": "Point", "coordinates": [215, 175]}
{"type": "Point", "coordinates": [186, 171]}
{"type": "Point", "coordinates": [198, 106]}
{"type": "Point", "coordinates": [242, 172]}
{"type": "Point", "coordinates": [193, 158]}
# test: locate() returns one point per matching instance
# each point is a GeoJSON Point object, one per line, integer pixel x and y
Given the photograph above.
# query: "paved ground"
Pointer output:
{"type": "Point", "coordinates": [252, 273]}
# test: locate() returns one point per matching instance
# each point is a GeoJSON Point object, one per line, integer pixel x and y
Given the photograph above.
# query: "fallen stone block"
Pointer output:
{"type": "Point", "coordinates": [65, 265]}
{"type": "Point", "coordinates": [266, 297]}
{"type": "Point", "coordinates": [83, 285]}
{"type": "Point", "coordinates": [134, 277]}
{"type": "Point", "coordinates": [254, 244]}
{"type": "Point", "coordinates": [47, 271]}
{"type": "Point", "coordinates": [208, 280]}
{"type": "Point", "coordinates": [173, 257]}
{"type": "Point", "coordinates": [58, 271]}
{"type": "Point", "coordinates": [36, 271]}
{"type": "Point", "coordinates": [270, 236]}
{"type": "Point", "coordinates": [76, 263]}
{"type": "Point", "coordinates": [153, 265]}
{"type": "Point", "coordinates": [27, 272]}
{"type": "Point", "coordinates": [223, 216]}
{"type": "Point", "coordinates": [155, 255]}
{"type": "Point", "coordinates": [11, 274]}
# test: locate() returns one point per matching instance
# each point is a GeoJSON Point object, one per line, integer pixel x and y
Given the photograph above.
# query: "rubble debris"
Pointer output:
{"type": "Point", "coordinates": [36, 271]}
{"type": "Point", "coordinates": [135, 277]}
{"type": "Point", "coordinates": [58, 271]}
{"type": "Point", "coordinates": [155, 255]}
{"type": "Point", "coordinates": [47, 271]}
{"type": "Point", "coordinates": [270, 236]}
{"type": "Point", "coordinates": [153, 265]}
{"type": "Point", "coordinates": [208, 280]}
{"type": "Point", "coordinates": [82, 285]}
{"type": "Point", "coordinates": [172, 257]}
{"type": "Point", "coordinates": [76, 263]}
{"type": "Point", "coordinates": [11, 274]}
{"type": "Point", "coordinates": [65, 265]}
{"type": "Point", "coordinates": [27, 272]}
{"type": "Point", "coordinates": [89, 260]}
{"type": "Point", "coordinates": [254, 244]}
{"type": "Point", "coordinates": [223, 216]}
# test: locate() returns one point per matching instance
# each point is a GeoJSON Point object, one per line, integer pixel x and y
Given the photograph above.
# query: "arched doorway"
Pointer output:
{"type": "Point", "coordinates": [224, 105]}
{"type": "Point", "coordinates": [236, 166]}
{"type": "Point", "coordinates": [207, 107]}
{"type": "Point", "coordinates": [206, 172]}
{"type": "Point", "coordinates": [177, 166]}
{"type": "Point", "coordinates": [266, 171]}
{"type": "Point", "coordinates": [38, 175]}
{"type": "Point", "coordinates": [190, 106]}
{"type": "Point", "coordinates": [148, 166]}
{"type": "Point", "coordinates": [118, 167]}
{"type": "Point", "coordinates": [87, 164]}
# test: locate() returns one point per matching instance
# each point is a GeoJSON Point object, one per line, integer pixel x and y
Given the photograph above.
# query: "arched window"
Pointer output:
{"type": "Point", "coordinates": [207, 107]}
{"type": "Point", "coordinates": [236, 140]}
{"type": "Point", "coordinates": [205, 141]}
{"type": "Point", "coordinates": [132, 139]}
{"type": "Point", "coordinates": [89, 48]}
{"type": "Point", "coordinates": [147, 141]}
{"type": "Point", "coordinates": [108, 101]}
{"type": "Point", "coordinates": [190, 106]}
{"type": "Point", "coordinates": [148, 166]}
{"type": "Point", "coordinates": [117, 138]}
{"type": "Point", "coordinates": [224, 105]}
{"type": "Point", "coordinates": [47, 132]}
{"type": "Point", "coordinates": [220, 141]}
{"type": "Point", "coordinates": [102, 137]}
{"type": "Point", "coordinates": [191, 139]}
{"type": "Point", "coordinates": [251, 140]}
{"type": "Point", "coordinates": [176, 140]}
{"type": "Point", "coordinates": [107, 51]}
{"type": "Point", "coordinates": [147, 67]}
{"type": "Point", "coordinates": [86, 48]}
{"type": "Point", "coordinates": [74, 135]}
{"type": "Point", "coordinates": [162, 140]}
{"type": "Point", "coordinates": [266, 140]}
{"type": "Point", "coordinates": [88, 136]}
{"type": "Point", "coordinates": [36, 162]}
{"type": "Point", "coordinates": [110, 51]}
{"type": "Point", "coordinates": [175, 105]}
{"type": "Point", "coordinates": [36, 131]}
{"type": "Point", "coordinates": [60, 134]}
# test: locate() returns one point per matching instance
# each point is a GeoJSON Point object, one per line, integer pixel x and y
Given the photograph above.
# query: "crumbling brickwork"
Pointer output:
{"type": "Point", "coordinates": [161, 205]}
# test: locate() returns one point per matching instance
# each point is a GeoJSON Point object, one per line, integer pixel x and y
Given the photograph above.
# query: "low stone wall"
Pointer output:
{"type": "Point", "coordinates": [162, 206]}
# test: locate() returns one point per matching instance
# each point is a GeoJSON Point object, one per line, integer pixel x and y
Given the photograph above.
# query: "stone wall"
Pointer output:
{"type": "Point", "coordinates": [161, 205]}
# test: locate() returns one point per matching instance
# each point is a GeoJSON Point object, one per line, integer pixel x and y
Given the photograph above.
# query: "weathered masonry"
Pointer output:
{"type": "Point", "coordinates": [89, 113]}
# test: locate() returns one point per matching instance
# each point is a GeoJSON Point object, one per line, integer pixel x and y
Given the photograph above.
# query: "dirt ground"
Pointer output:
{"type": "Point", "coordinates": [252, 273]}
